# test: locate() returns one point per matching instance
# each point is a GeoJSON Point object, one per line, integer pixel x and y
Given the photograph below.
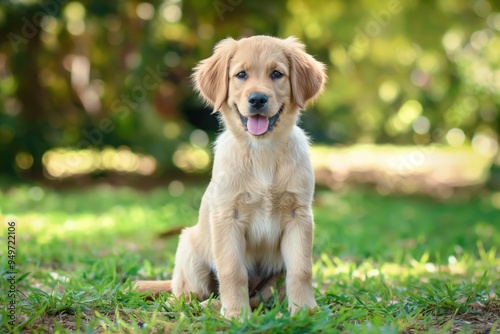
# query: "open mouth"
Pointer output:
{"type": "Point", "coordinates": [258, 124]}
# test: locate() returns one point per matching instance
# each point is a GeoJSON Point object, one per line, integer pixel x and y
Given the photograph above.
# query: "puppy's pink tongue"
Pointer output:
{"type": "Point", "coordinates": [257, 124]}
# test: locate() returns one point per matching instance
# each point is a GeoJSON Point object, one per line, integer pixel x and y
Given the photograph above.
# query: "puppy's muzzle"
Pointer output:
{"type": "Point", "coordinates": [257, 123]}
{"type": "Point", "coordinates": [257, 101]}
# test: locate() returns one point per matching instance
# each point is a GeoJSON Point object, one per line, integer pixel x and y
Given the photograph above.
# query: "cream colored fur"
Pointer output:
{"type": "Point", "coordinates": [255, 222]}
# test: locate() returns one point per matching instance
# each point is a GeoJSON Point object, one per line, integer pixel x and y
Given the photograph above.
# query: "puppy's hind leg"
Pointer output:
{"type": "Point", "coordinates": [264, 292]}
{"type": "Point", "coordinates": [192, 274]}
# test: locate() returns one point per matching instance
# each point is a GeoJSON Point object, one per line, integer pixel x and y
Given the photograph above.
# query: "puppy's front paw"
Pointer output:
{"type": "Point", "coordinates": [310, 304]}
{"type": "Point", "coordinates": [212, 303]}
{"type": "Point", "coordinates": [240, 314]}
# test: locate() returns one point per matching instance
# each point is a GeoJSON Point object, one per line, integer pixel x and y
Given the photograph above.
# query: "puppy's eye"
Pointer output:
{"type": "Point", "coordinates": [276, 75]}
{"type": "Point", "coordinates": [241, 75]}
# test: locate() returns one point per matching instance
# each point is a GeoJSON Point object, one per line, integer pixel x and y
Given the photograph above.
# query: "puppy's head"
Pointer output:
{"type": "Point", "coordinates": [259, 83]}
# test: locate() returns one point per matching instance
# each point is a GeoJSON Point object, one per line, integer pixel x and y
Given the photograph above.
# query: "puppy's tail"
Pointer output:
{"type": "Point", "coordinates": [153, 288]}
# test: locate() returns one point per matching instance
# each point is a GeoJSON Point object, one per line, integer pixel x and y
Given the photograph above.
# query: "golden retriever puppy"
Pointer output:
{"type": "Point", "coordinates": [255, 222]}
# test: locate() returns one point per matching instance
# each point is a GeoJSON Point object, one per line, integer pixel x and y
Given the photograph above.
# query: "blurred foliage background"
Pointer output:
{"type": "Point", "coordinates": [93, 86]}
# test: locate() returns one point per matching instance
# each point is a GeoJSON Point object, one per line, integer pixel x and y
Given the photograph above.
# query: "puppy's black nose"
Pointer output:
{"type": "Point", "coordinates": [257, 100]}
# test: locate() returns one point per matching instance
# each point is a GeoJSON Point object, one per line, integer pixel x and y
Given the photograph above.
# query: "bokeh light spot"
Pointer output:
{"type": "Point", "coordinates": [455, 137]}
{"type": "Point", "coordinates": [172, 59]}
{"type": "Point", "coordinates": [172, 13]}
{"type": "Point", "coordinates": [199, 138]}
{"type": "Point", "coordinates": [171, 130]}
{"type": "Point", "coordinates": [176, 188]}
{"type": "Point", "coordinates": [191, 159]}
{"type": "Point", "coordinates": [388, 91]}
{"type": "Point", "coordinates": [36, 193]}
{"type": "Point", "coordinates": [421, 125]}
{"type": "Point", "coordinates": [485, 144]}
{"type": "Point", "coordinates": [61, 163]}
{"type": "Point", "coordinates": [410, 111]}
{"type": "Point", "coordinates": [453, 40]}
{"type": "Point", "coordinates": [24, 160]}
{"type": "Point", "coordinates": [145, 10]}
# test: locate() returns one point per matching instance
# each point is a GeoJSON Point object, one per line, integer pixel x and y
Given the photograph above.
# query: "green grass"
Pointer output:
{"type": "Point", "coordinates": [382, 264]}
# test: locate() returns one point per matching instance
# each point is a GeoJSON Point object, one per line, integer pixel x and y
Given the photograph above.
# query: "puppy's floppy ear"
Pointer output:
{"type": "Point", "coordinates": [307, 75]}
{"type": "Point", "coordinates": [211, 77]}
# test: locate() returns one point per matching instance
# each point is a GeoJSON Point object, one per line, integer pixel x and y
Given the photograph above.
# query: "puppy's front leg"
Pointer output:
{"type": "Point", "coordinates": [296, 248]}
{"type": "Point", "coordinates": [229, 247]}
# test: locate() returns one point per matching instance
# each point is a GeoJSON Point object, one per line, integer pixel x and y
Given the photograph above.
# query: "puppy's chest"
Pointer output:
{"type": "Point", "coordinates": [265, 213]}
{"type": "Point", "coordinates": [263, 224]}
{"type": "Point", "coordinates": [261, 204]}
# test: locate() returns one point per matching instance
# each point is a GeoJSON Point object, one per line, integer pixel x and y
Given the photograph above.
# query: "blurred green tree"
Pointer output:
{"type": "Point", "coordinates": [92, 73]}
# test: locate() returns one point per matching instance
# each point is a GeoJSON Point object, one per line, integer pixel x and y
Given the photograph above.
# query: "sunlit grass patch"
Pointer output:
{"type": "Point", "coordinates": [433, 169]}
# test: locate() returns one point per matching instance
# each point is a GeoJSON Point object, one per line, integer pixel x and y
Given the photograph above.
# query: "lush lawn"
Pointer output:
{"type": "Point", "coordinates": [382, 264]}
